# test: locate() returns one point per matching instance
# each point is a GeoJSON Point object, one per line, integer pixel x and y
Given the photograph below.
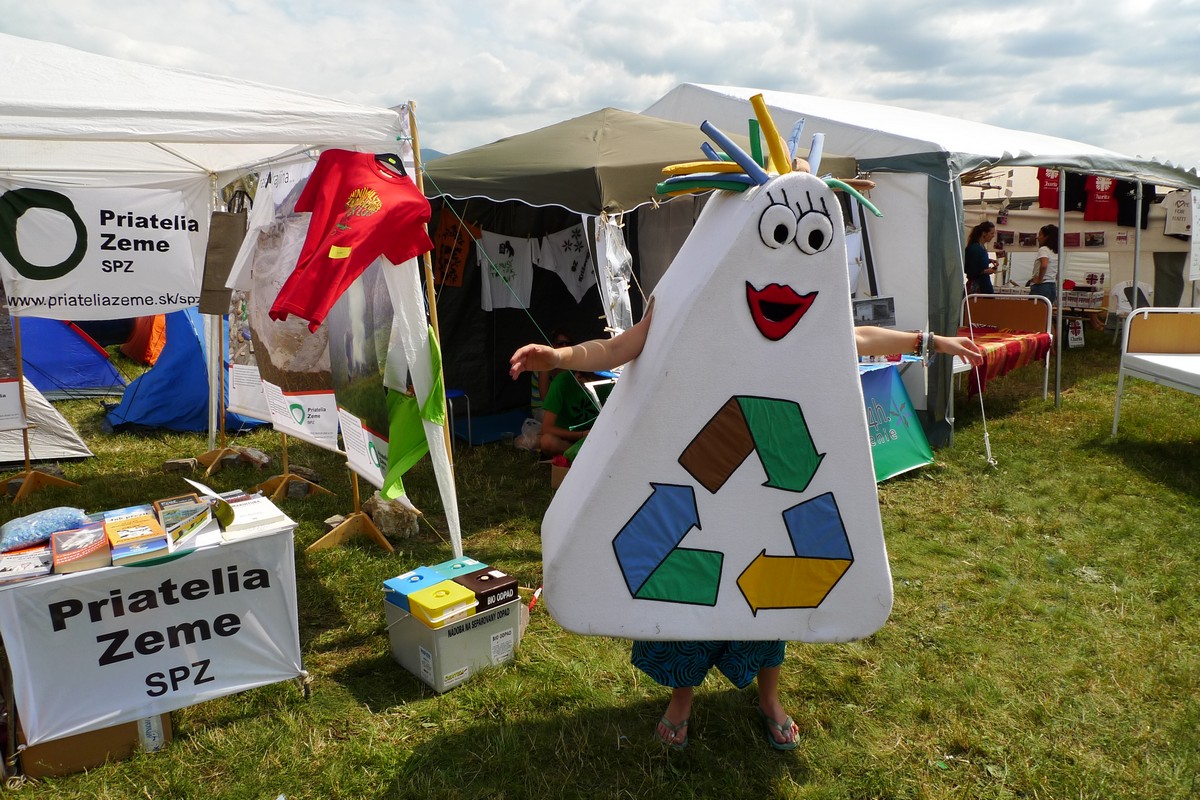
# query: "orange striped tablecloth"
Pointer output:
{"type": "Point", "coordinates": [1003, 351]}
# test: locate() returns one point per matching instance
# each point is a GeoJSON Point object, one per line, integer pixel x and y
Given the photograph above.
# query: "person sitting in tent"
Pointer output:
{"type": "Point", "coordinates": [567, 415]}
{"type": "Point", "coordinates": [539, 387]}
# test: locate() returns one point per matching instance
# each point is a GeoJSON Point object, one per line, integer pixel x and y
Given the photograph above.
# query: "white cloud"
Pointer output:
{"type": "Point", "coordinates": [1117, 75]}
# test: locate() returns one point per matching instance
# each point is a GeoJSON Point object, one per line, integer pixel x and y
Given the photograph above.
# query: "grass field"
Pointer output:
{"type": "Point", "coordinates": [1045, 640]}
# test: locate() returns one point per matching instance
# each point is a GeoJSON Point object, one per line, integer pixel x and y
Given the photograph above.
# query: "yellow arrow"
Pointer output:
{"type": "Point", "coordinates": [789, 581]}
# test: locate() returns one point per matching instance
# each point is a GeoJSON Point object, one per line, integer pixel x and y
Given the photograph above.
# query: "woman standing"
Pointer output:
{"type": "Point", "coordinates": [1045, 266]}
{"type": "Point", "coordinates": [979, 266]}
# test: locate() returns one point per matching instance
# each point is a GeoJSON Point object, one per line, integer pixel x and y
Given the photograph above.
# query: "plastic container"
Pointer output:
{"type": "Point", "coordinates": [397, 590]}
{"type": "Point", "coordinates": [442, 603]}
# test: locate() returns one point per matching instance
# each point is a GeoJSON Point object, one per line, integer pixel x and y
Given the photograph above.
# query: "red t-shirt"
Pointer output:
{"type": "Point", "coordinates": [360, 211]}
{"type": "Point", "coordinates": [1101, 199]}
{"type": "Point", "coordinates": [1048, 187]}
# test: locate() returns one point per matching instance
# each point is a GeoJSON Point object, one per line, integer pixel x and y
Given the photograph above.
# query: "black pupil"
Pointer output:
{"type": "Point", "coordinates": [816, 239]}
{"type": "Point", "coordinates": [781, 233]}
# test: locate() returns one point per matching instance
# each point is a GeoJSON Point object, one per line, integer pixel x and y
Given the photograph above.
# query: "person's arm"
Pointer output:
{"type": "Point", "coordinates": [872, 341]}
{"type": "Point", "coordinates": [550, 425]}
{"type": "Point", "coordinates": [597, 354]}
{"type": "Point", "coordinates": [1040, 265]}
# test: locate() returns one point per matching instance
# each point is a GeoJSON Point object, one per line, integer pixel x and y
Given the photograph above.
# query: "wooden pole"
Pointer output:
{"type": "Point", "coordinates": [430, 294]}
{"type": "Point", "coordinates": [31, 479]}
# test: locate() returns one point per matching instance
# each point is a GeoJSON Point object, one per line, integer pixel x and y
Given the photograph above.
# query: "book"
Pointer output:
{"type": "Point", "coordinates": [80, 549]}
{"type": "Point", "coordinates": [181, 517]}
{"type": "Point", "coordinates": [253, 516]}
{"type": "Point", "coordinates": [132, 524]}
{"type": "Point", "coordinates": [26, 563]}
{"type": "Point", "coordinates": [141, 550]}
{"type": "Point", "coordinates": [167, 503]}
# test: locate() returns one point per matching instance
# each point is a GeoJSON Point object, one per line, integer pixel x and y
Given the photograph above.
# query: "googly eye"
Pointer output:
{"type": "Point", "coordinates": [777, 225]}
{"type": "Point", "coordinates": [814, 232]}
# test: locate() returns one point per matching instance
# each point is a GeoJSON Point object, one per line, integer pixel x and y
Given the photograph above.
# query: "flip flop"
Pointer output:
{"type": "Point", "coordinates": [674, 744]}
{"type": "Point", "coordinates": [771, 727]}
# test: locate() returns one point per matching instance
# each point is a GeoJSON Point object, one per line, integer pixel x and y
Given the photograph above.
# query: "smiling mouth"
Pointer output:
{"type": "Point", "coordinates": [776, 309]}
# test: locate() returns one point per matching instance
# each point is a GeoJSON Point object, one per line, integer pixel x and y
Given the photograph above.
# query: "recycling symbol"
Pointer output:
{"type": "Point", "coordinates": [647, 547]}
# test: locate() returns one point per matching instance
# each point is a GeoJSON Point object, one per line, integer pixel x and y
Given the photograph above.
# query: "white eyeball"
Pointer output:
{"type": "Point", "coordinates": [777, 225]}
{"type": "Point", "coordinates": [814, 232]}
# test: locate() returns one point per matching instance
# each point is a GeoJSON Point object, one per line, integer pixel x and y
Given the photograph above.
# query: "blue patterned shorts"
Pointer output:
{"type": "Point", "coordinates": [677, 664]}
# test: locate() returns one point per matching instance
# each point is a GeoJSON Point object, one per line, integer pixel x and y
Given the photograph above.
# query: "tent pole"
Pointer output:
{"type": "Point", "coordinates": [1058, 298]}
{"type": "Point", "coordinates": [430, 296]}
{"type": "Point", "coordinates": [213, 458]}
{"type": "Point", "coordinates": [1137, 247]}
{"type": "Point", "coordinates": [31, 479]}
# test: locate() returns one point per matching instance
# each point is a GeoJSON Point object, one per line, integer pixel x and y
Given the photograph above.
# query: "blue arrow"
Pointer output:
{"type": "Point", "coordinates": [816, 529]}
{"type": "Point", "coordinates": [654, 531]}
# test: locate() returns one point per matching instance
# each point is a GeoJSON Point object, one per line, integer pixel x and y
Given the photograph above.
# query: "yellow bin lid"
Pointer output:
{"type": "Point", "coordinates": [442, 603]}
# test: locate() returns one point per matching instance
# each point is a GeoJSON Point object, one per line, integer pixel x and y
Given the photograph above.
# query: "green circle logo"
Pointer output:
{"type": "Point", "coordinates": [13, 205]}
{"type": "Point", "coordinates": [297, 413]}
{"type": "Point", "coordinates": [374, 453]}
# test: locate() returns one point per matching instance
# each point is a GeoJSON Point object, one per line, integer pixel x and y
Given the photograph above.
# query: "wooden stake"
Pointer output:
{"type": "Point", "coordinates": [277, 485]}
{"type": "Point", "coordinates": [357, 524]}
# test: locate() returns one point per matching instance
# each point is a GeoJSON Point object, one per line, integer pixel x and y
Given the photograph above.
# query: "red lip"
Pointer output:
{"type": "Point", "coordinates": [776, 309]}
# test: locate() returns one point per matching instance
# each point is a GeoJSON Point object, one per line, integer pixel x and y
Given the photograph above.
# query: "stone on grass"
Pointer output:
{"type": "Point", "coordinates": [395, 519]}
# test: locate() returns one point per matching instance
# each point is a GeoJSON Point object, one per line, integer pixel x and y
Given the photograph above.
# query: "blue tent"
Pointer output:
{"type": "Point", "coordinates": [173, 394]}
{"type": "Point", "coordinates": [62, 361]}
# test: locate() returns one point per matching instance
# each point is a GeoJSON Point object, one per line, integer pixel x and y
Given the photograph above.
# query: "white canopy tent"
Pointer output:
{"type": "Point", "coordinates": [71, 118]}
{"type": "Point", "coordinates": [917, 160]}
{"type": "Point", "coordinates": [67, 111]}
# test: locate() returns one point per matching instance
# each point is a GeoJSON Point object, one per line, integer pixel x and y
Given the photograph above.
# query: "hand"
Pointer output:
{"type": "Point", "coordinates": [533, 358]}
{"type": "Point", "coordinates": [959, 346]}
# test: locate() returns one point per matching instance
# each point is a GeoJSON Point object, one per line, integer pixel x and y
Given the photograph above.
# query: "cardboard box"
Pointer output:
{"type": "Point", "coordinates": [87, 750]}
{"type": "Point", "coordinates": [557, 474]}
{"type": "Point", "coordinates": [448, 656]}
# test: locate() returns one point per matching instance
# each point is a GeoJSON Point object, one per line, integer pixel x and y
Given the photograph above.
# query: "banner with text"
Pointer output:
{"type": "Point", "coordinates": [98, 648]}
{"type": "Point", "coordinates": [85, 253]}
{"type": "Point", "coordinates": [898, 442]}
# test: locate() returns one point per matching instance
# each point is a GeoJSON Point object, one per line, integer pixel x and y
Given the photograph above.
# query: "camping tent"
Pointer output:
{"type": "Point", "coordinates": [51, 437]}
{"type": "Point", "coordinates": [173, 394]}
{"type": "Point", "coordinates": [62, 361]}
{"type": "Point", "coordinates": [533, 184]}
{"type": "Point", "coordinates": [917, 160]}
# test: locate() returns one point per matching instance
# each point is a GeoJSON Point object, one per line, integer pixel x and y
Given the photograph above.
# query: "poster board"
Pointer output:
{"type": "Point", "coordinates": [70, 249]}
{"type": "Point", "coordinates": [93, 649]}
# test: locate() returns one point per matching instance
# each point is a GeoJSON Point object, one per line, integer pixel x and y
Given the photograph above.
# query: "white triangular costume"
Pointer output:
{"type": "Point", "coordinates": [727, 489]}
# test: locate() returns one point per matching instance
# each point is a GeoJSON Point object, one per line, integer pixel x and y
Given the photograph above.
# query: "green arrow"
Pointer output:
{"type": "Point", "coordinates": [783, 442]}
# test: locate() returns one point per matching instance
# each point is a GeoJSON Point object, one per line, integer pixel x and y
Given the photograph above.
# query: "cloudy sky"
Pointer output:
{"type": "Point", "coordinates": [1121, 74]}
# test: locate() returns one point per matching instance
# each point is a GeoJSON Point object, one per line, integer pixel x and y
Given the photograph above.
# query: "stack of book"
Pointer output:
{"type": "Point", "coordinates": [135, 534]}
{"type": "Point", "coordinates": [253, 515]}
{"type": "Point", "coordinates": [80, 549]}
{"type": "Point", "coordinates": [28, 562]}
